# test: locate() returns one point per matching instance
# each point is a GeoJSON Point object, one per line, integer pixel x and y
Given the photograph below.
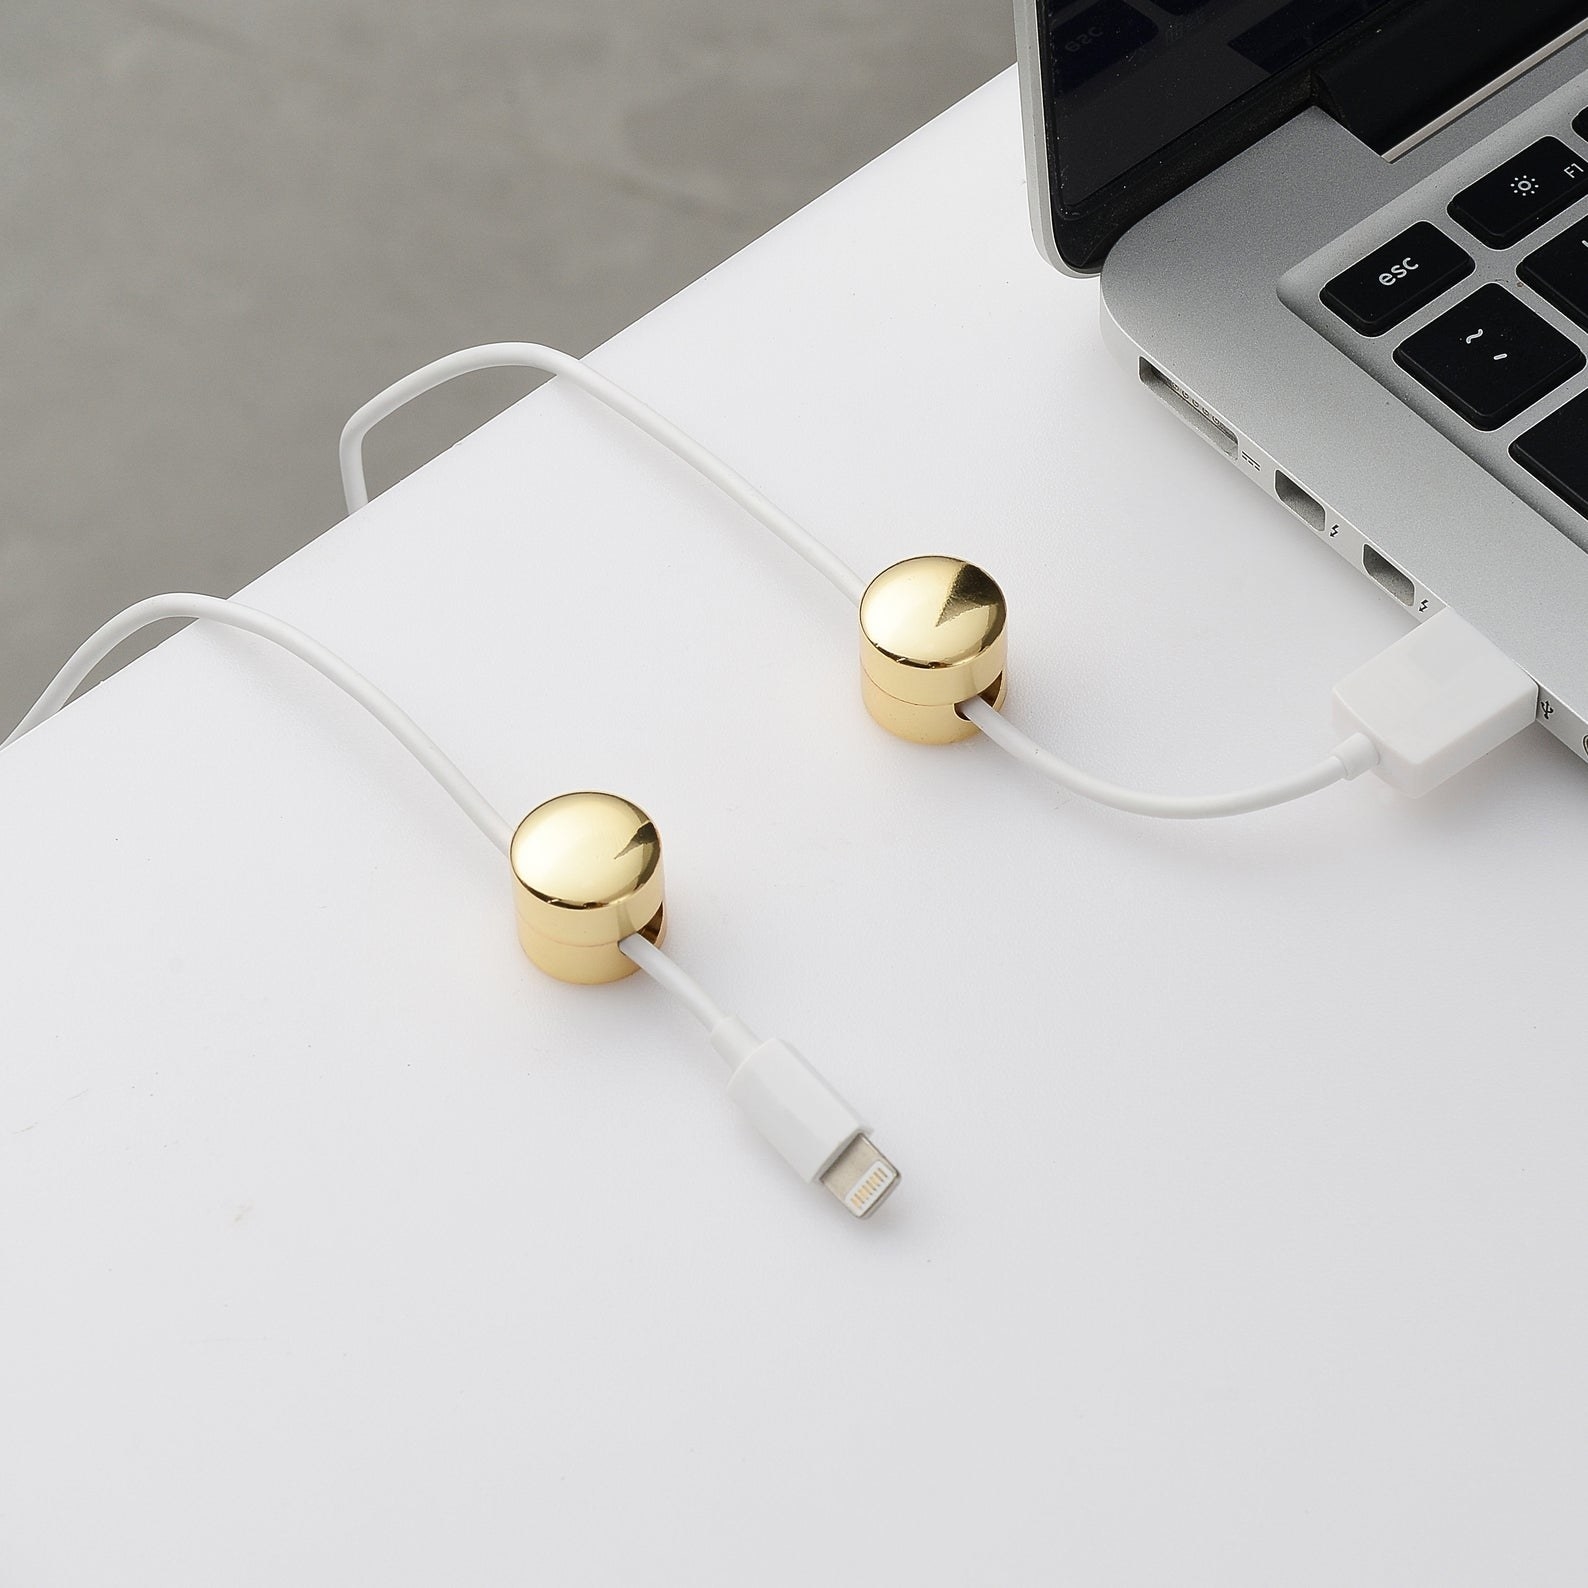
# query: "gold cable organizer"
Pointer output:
{"type": "Point", "coordinates": [587, 873]}
{"type": "Point", "coordinates": [933, 634]}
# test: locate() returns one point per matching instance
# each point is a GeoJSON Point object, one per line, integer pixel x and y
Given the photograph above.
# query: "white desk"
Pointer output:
{"type": "Point", "coordinates": [1242, 1232]}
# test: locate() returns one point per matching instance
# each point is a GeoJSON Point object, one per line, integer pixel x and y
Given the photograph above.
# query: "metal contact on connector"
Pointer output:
{"type": "Point", "coordinates": [861, 1178]}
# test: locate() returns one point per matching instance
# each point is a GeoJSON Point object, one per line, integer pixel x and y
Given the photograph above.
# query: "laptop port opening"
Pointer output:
{"type": "Point", "coordinates": [1207, 425]}
{"type": "Point", "coordinates": [1302, 503]}
{"type": "Point", "coordinates": [1387, 574]}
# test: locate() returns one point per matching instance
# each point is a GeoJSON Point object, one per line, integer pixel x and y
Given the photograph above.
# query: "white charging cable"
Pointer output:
{"type": "Point", "coordinates": [531, 355]}
{"type": "Point", "coordinates": [1353, 756]}
{"type": "Point", "coordinates": [1428, 706]}
{"type": "Point", "coordinates": [233, 614]}
{"type": "Point", "coordinates": [816, 1132]}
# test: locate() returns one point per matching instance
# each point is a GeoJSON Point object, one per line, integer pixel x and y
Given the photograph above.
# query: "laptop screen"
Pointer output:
{"type": "Point", "coordinates": [1141, 97]}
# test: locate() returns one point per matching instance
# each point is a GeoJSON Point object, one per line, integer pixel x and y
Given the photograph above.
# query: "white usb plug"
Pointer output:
{"type": "Point", "coordinates": [1437, 700]}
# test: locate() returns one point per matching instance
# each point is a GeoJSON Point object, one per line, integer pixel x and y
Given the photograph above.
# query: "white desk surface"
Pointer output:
{"type": "Point", "coordinates": [1242, 1232]}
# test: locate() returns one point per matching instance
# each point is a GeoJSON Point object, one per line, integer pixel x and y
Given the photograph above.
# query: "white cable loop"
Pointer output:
{"type": "Point", "coordinates": [531, 355]}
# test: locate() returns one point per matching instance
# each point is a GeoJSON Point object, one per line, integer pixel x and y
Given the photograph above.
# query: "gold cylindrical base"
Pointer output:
{"type": "Point", "coordinates": [587, 873]}
{"type": "Point", "coordinates": [933, 634]}
{"type": "Point", "coordinates": [925, 724]}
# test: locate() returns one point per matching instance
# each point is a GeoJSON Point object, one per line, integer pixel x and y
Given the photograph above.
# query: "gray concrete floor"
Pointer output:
{"type": "Point", "coordinates": [228, 222]}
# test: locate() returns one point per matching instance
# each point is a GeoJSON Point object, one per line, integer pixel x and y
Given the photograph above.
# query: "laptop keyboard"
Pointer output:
{"type": "Point", "coordinates": [1494, 353]}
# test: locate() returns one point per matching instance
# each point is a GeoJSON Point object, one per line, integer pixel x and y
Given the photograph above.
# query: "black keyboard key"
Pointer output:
{"type": "Point", "coordinates": [1102, 35]}
{"type": "Point", "coordinates": [1581, 124]}
{"type": "Point", "coordinates": [1557, 452]}
{"type": "Point", "coordinates": [1559, 272]}
{"type": "Point", "coordinates": [1529, 189]}
{"type": "Point", "coordinates": [1398, 279]}
{"type": "Point", "coordinates": [1490, 357]}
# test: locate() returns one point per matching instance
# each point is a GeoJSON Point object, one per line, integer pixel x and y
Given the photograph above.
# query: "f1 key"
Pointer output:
{"type": "Point", "coordinates": [1529, 189]}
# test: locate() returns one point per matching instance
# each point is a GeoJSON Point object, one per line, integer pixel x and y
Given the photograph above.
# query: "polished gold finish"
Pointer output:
{"type": "Point", "coordinates": [932, 635]}
{"type": "Point", "coordinates": [587, 872]}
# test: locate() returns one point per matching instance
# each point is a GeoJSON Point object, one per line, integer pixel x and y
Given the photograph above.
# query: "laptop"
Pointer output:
{"type": "Point", "coordinates": [1346, 242]}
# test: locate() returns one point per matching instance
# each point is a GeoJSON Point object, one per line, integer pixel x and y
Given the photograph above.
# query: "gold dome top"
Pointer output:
{"type": "Point", "coordinates": [933, 612]}
{"type": "Point", "coordinates": [587, 851]}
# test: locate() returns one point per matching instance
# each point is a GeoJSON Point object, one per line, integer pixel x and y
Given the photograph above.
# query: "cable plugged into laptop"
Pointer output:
{"type": "Point", "coordinates": [1437, 700]}
{"type": "Point", "coordinates": [1428, 707]}
{"type": "Point", "coordinates": [934, 639]}
{"type": "Point", "coordinates": [587, 866]}
{"type": "Point", "coordinates": [933, 630]}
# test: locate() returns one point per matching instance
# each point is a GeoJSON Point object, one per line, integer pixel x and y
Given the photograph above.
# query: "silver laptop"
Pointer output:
{"type": "Point", "coordinates": [1346, 241]}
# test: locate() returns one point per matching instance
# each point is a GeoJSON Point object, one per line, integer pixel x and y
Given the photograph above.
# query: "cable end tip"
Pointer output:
{"type": "Point", "coordinates": [861, 1178]}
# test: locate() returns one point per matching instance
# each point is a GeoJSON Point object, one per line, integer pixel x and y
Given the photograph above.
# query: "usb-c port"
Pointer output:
{"type": "Point", "coordinates": [1302, 503]}
{"type": "Point", "coordinates": [1387, 574]}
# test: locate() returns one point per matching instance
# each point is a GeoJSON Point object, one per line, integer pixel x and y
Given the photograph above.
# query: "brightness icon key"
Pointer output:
{"type": "Point", "coordinates": [1530, 188]}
